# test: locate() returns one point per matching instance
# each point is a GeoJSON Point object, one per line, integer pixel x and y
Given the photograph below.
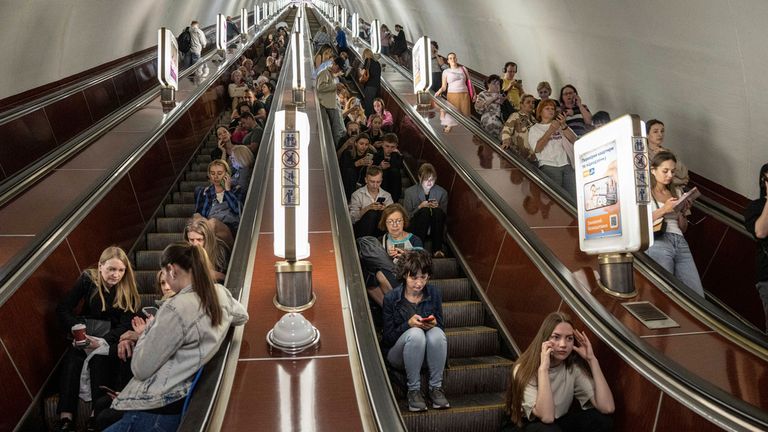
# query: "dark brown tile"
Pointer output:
{"type": "Point", "coordinates": [180, 139]}
{"type": "Point", "coordinates": [673, 416]}
{"type": "Point", "coordinates": [115, 220]}
{"type": "Point", "coordinates": [10, 246]}
{"type": "Point", "coordinates": [25, 140]}
{"type": "Point", "coordinates": [325, 315]}
{"type": "Point", "coordinates": [152, 177]}
{"type": "Point", "coordinates": [292, 395]}
{"type": "Point", "coordinates": [106, 152]}
{"type": "Point", "coordinates": [69, 117]}
{"type": "Point", "coordinates": [38, 207]}
{"type": "Point", "coordinates": [126, 86]}
{"type": "Point", "coordinates": [146, 75]}
{"type": "Point", "coordinates": [476, 232]}
{"type": "Point", "coordinates": [203, 115]}
{"type": "Point", "coordinates": [102, 99]}
{"type": "Point", "coordinates": [30, 328]}
{"type": "Point", "coordinates": [15, 396]}
{"type": "Point", "coordinates": [564, 243]}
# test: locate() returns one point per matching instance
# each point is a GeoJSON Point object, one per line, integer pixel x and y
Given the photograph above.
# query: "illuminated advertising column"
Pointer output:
{"type": "Point", "coordinates": [613, 189]}
{"type": "Point", "coordinates": [244, 24]}
{"type": "Point", "coordinates": [376, 36]}
{"type": "Point", "coordinates": [221, 33]}
{"type": "Point", "coordinates": [298, 69]}
{"type": "Point", "coordinates": [168, 67]}
{"type": "Point", "coordinates": [335, 14]}
{"type": "Point", "coordinates": [344, 18]}
{"type": "Point", "coordinates": [422, 71]}
{"type": "Point", "coordinates": [355, 26]}
{"type": "Point", "coordinates": [256, 16]}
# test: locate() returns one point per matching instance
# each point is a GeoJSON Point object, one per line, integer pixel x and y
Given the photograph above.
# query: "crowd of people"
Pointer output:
{"type": "Point", "coordinates": [136, 364]}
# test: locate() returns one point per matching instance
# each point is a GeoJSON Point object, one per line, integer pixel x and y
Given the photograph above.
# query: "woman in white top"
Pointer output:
{"type": "Point", "coordinates": [552, 141]}
{"type": "Point", "coordinates": [556, 368]}
{"type": "Point", "coordinates": [669, 248]}
{"type": "Point", "coordinates": [457, 91]}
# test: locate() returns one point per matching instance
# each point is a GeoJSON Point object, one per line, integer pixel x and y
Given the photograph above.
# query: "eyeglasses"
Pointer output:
{"type": "Point", "coordinates": [394, 221]}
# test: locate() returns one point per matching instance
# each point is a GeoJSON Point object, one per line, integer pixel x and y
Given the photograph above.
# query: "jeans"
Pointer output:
{"type": "Point", "coordinates": [671, 252]}
{"type": "Point", "coordinates": [337, 126]}
{"type": "Point", "coordinates": [140, 421]}
{"type": "Point", "coordinates": [762, 289]}
{"type": "Point", "coordinates": [564, 176]}
{"type": "Point", "coordinates": [410, 349]}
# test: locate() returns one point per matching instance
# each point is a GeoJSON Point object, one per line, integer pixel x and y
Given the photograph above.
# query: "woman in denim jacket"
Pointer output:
{"type": "Point", "coordinates": [185, 335]}
{"type": "Point", "coordinates": [413, 329]}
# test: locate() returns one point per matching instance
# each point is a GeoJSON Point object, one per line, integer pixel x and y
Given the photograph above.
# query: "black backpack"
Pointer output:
{"type": "Point", "coordinates": [185, 41]}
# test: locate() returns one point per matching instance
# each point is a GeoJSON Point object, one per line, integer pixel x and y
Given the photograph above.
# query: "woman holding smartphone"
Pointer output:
{"type": "Point", "coordinates": [413, 329]}
{"type": "Point", "coordinates": [556, 368]}
{"type": "Point", "coordinates": [551, 140]}
{"type": "Point", "coordinates": [670, 249]}
{"type": "Point", "coordinates": [183, 337]}
{"type": "Point", "coordinates": [110, 299]}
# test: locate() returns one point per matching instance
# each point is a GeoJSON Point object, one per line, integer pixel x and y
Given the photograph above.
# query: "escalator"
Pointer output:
{"type": "Point", "coordinates": [528, 264]}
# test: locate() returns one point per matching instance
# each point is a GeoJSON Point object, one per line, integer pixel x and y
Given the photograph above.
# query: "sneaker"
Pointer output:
{"type": "Point", "coordinates": [438, 398]}
{"type": "Point", "coordinates": [64, 425]}
{"type": "Point", "coordinates": [416, 401]}
{"type": "Point", "coordinates": [91, 425]}
{"type": "Point", "coordinates": [439, 254]}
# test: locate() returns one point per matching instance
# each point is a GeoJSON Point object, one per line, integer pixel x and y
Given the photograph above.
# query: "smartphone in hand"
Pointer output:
{"type": "Point", "coordinates": [380, 200]}
{"type": "Point", "coordinates": [430, 318]}
{"type": "Point", "coordinates": [149, 310]}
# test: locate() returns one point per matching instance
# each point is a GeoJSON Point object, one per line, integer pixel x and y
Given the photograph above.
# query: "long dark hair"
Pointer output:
{"type": "Point", "coordinates": [762, 178]}
{"type": "Point", "coordinates": [659, 159]}
{"type": "Point", "coordinates": [194, 260]}
{"type": "Point", "coordinates": [524, 369]}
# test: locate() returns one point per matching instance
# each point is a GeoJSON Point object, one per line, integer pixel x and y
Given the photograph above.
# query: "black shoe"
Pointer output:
{"type": "Point", "coordinates": [64, 425]}
{"type": "Point", "coordinates": [91, 425]}
{"type": "Point", "coordinates": [416, 401]}
{"type": "Point", "coordinates": [438, 398]}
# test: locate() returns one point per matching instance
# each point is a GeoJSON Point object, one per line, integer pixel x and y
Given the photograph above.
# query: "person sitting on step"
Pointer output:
{"type": "Point", "coordinates": [427, 206]}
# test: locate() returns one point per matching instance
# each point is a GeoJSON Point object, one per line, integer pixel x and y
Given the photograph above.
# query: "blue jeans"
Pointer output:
{"type": "Point", "coordinates": [140, 421]}
{"type": "Point", "coordinates": [564, 176]}
{"type": "Point", "coordinates": [409, 351]}
{"type": "Point", "coordinates": [337, 125]}
{"type": "Point", "coordinates": [671, 252]}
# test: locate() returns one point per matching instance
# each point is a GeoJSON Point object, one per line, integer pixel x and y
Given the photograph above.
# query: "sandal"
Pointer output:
{"type": "Point", "coordinates": [447, 129]}
{"type": "Point", "coordinates": [439, 254]}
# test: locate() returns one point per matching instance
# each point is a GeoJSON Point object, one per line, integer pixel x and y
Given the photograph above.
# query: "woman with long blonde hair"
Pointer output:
{"type": "Point", "coordinates": [109, 300]}
{"type": "Point", "coordinates": [556, 368]}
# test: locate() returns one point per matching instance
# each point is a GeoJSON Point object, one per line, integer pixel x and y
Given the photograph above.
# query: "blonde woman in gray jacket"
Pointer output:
{"type": "Point", "coordinates": [184, 336]}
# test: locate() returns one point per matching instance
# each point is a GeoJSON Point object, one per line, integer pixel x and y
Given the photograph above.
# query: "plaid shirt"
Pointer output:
{"type": "Point", "coordinates": [205, 197]}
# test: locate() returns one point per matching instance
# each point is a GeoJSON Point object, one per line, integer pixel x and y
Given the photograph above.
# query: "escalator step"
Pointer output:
{"type": "Point", "coordinates": [203, 158]}
{"type": "Point", "coordinates": [472, 341]}
{"type": "Point", "coordinates": [189, 186]}
{"type": "Point", "coordinates": [463, 313]}
{"type": "Point", "coordinates": [149, 299]}
{"type": "Point", "coordinates": [145, 280]}
{"type": "Point", "coordinates": [171, 225]}
{"type": "Point", "coordinates": [468, 413]}
{"type": "Point", "coordinates": [199, 176]}
{"type": "Point", "coordinates": [158, 241]}
{"type": "Point", "coordinates": [184, 197]}
{"type": "Point", "coordinates": [453, 289]}
{"type": "Point", "coordinates": [444, 268]}
{"type": "Point", "coordinates": [148, 259]}
{"type": "Point", "coordinates": [179, 210]}
{"type": "Point", "coordinates": [199, 166]}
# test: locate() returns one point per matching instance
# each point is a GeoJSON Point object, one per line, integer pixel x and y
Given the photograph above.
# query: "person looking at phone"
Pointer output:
{"type": "Point", "coordinates": [347, 141]}
{"type": "Point", "coordinates": [655, 132]}
{"type": "Point", "coordinates": [354, 163]}
{"type": "Point", "coordinates": [389, 159]}
{"type": "Point", "coordinates": [511, 87]}
{"type": "Point", "coordinates": [577, 115]}
{"type": "Point", "coordinates": [254, 132]}
{"type": "Point", "coordinates": [184, 335]}
{"type": "Point", "coordinates": [413, 329]}
{"type": "Point", "coordinates": [367, 203]}
{"type": "Point", "coordinates": [375, 130]}
{"type": "Point", "coordinates": [556, 368]}
{"type": "Point", "coordinates": [380, 110]}
{"type": "Point", "coordinates": [551, 140]}
{"type": "Point", "coordinates": [669, 247]}
{"type": "Point", "coordinates": [220, 202]}
{"type": "Point", "coordinates": [198, 233]}
{"type": "Point", "coordinates": [242, 161]}
{"type": "Point", "coordinates": [109, 300]}
{"type": "Point", "coordinates": [514, 134]}
{"type": "Point", "coordinates": [756, 222]}
{"type": "Point", "coordinates": [427, 206]}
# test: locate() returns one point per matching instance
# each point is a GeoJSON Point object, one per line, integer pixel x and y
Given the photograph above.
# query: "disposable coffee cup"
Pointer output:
{"type": "Point", "coordinates": [78, 332]}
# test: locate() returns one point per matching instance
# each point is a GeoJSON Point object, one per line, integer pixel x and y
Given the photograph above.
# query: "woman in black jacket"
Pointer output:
{"type": "Point", "coordinates": [109, 300]}
{"type": "Point", "coordinates": [371, 87]}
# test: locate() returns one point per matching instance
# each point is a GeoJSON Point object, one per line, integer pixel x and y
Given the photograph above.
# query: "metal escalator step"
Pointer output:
{"type": "Point", "coordinates": [148, 259]}
{"type": "Point", "coordinates": [472, 341]}
{"type": "Point", "coordinates": [196, 176]}
{"type": "Point", "coordinates": [184, 197]}
{"type": "Point", "coordinates": [189, 186]}
{"type": "Point", "coordinates": [179, 210]}
{"type": "Point", "coordinates": [444, 268]}
{"type": "Point", "coordinates": [145, 280]}
{"type": "Point", "coordinates": [149, 299]}
{"type": "Point", "coordinates": [468, 413]}
{"type": "Point", "coordinates": [464, 375]}
{"type": "Point", "coordinates": [158, 241]}
{"type": "Point", "coordinates": [453, 288]}
{"type": "Point", "coordinates": [198, 166]}
{"type": "Point", "coordinates": [170, 225]}
{"type": "Point", "coordinates": [463, 313]}
{"type": "Point", "coordinates": [203, 158]}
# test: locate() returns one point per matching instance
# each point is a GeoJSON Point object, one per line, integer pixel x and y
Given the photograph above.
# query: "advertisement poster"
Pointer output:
{"type": "Point", "coordinates": [168, 59]}
{"type": "Point", "coordinates": [419, 66]}
{"type": "Point", "coordinates": [601, 200]}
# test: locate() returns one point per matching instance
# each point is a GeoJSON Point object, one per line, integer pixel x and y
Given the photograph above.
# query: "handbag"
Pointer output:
{"type": "Point", "coordinates": [659, 225]}
{"type": "Point", "coordinates": [363, 78]}
{"type": "Point", "coordinates": [470, 87]}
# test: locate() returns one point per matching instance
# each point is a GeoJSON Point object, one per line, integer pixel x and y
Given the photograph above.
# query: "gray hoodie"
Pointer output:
{"type": "Point", "coordinates": [178, 342]}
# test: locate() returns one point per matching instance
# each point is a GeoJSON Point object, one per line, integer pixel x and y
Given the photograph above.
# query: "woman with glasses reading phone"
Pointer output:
{"type": "Point", "coordinates": [413, 329]}
{"type": "Point", "coordinates": [556, 368]}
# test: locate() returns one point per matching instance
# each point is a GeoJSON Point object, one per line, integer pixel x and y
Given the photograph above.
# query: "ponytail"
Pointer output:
{"type": "Point", "coordinates": [194, 260]}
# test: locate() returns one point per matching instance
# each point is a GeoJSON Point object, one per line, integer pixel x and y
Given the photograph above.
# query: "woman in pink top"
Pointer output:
{"type": "Point", "coordinates": [386, 116]}
{"type": "Point", "coordinates": [458, 91]}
